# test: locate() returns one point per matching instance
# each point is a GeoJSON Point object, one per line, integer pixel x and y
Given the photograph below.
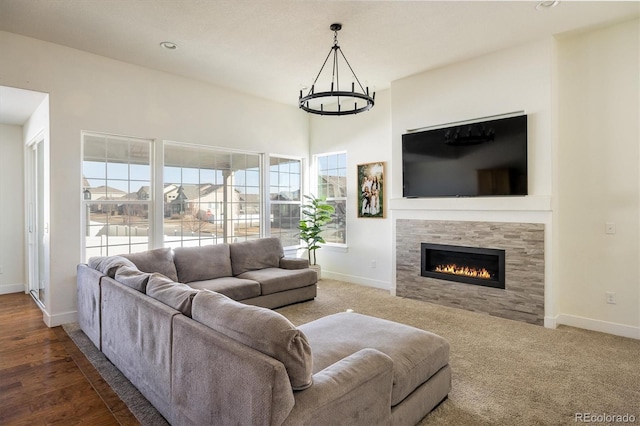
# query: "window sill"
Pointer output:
{"type": "Point", "coordinates": [338, 248]}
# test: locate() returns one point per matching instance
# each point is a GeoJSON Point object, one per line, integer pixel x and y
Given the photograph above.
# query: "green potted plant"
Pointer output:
{"type": "Point", "coordinates": [315, 214]}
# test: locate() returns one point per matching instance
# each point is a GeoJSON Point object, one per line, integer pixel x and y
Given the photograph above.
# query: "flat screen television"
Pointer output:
{"type": "Point", "coordinates": [487, 158]}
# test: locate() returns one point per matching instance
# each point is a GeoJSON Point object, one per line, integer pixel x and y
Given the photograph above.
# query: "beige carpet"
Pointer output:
{"type": "Point", "coordinates": [505, 372]}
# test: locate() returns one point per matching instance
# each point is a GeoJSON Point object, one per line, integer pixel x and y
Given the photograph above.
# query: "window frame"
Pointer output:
{"type": "Point", "coordinates": [316, 175]}
{"type": "Point", "coordinates": [86, 203]}
{"type": "Point", "coordinates": [269, 202]}
{"type": "Point", "coordinates": [234, 204]}
{"type": "Point", "coordinates": [154, 200]}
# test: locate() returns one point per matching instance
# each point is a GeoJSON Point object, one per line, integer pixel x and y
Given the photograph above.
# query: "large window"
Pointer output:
{"type": "Point", "coordinates": [332, 185]}
{"type": "Point", "coordinates": [202, 196]}
{"type": "Point", "coordinates": [210, 195]}
{"type": "Point", "coordinates": [285, 182]}
{"type": "Point", "coordinates": [116, 193]}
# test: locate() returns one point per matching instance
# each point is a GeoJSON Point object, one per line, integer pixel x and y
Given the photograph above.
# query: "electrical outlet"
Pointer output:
{"type": "Point", "coordinates": [611, 297]}
{"type": "Point", "coordinates": [373, 264]}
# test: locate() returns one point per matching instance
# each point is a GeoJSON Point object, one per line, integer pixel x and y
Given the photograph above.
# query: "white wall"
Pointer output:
{"type": "Point", "coordinates": [12, 261]}
{"type": "Point", "coordinates": [514, 79]}
{"type": "Point", "coordinates": [583, 93]}
{"type": "Point", "coordinates": [90, 92]}
{"type": "Point", "coordinates": [599, 179]}
{"type": "Point", "coordinates": [510, 80]}
{"type": "Point", "coordinates": [366, 138]}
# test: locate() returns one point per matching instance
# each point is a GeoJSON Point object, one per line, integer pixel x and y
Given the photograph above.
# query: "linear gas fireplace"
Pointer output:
{"type": "Point", "coordinates": [470, 265]}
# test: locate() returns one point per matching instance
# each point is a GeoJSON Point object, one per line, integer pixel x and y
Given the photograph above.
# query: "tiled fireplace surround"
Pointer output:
{"type": "Point", "coordinates": [523, 297]}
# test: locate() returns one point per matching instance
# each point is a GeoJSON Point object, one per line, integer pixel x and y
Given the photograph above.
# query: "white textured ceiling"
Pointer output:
{"type": "Point", "coordinates": [272, 48]}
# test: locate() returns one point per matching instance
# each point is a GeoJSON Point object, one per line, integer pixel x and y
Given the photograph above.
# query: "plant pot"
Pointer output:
{"type": "Point", "coordinates": [317, 269]}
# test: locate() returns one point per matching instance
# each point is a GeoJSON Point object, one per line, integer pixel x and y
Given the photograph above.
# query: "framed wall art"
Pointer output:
{"type": "Point", "coordinates": [371, 190]}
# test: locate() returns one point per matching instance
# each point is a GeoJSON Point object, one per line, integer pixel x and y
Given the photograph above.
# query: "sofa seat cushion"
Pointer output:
{"type": "Point", "coordinates": [158, 260]}
{"type": "Point", "coordinates": [232, 287]}
{"type": "Point", "coordinates": [175, 295]}
{"type": "Point", "coordinates": [417, 354]}
{"type": "Point", "coordinates": [294, 263]}
{"type": "Point", "coordinates": [261, 329]}
{"type": "Point", "coordinates": [255, 254]}
{"type": "Point", "coordinates": [202, 263]}
{"type": "Point", "coordinates": [275, 280]}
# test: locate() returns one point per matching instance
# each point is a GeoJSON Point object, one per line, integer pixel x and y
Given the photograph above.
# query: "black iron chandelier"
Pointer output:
{"type": "Point", "coordinates": [336, 101]}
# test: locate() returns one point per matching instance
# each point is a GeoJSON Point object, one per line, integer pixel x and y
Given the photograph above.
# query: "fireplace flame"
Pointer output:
{"type": "Point", "coordinates": [465, 271]}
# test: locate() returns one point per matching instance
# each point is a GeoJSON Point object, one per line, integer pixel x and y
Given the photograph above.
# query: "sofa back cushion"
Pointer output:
{"type": "Point", "coordinates": [158, 260]}
{"type": "Point", "coordinates": [108, 265]}
{"type": "Point", "coordinates": [259, 328]}
{"type": "Point", "coordinates": [202, 263]}
{"type": "Point", "coordinates": [255, 254]}
{"type": "Point", "coordinates": [132, 277]}
{"type": "Point", "coordinates": [175, 295]}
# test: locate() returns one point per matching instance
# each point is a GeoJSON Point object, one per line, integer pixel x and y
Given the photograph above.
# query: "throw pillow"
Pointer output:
{"type": "Point", "coordinates": [261, 329]}
{"type": "Point", "coordinates": [173, 294]}
{"type": "Point", "coordinates": [133, 278]}
{"type": "Point", "coordinates": [202, 263]}
{"type": "Point", "coordinates": [158, 260]}
{"type": "Point", "coordinates": [108, 265]}
{"type": "Point", "coordinates": [255, 254]}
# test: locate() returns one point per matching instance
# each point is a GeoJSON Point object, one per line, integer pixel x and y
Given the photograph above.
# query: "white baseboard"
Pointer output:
{"type": "Point", "coordinates": [384, 285]}
{"type": "Point", "coordinates": [597, 325]}
{"type": "Point", "coordinates": [12, 288]}
{"type": "Point", "coordinates": [59, 319]}
{"type": "Point", "coordinates": [550, 322]}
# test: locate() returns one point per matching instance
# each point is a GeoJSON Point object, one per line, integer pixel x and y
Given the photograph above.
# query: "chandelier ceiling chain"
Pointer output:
{"type": "Point", "coordinates": [333, 99]}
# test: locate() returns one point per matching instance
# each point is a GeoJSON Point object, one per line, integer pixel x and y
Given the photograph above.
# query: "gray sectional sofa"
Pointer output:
{"type": "Point", "coordinates": [254, 272]}
{"type": "Point", "coordinates": [202, 358]}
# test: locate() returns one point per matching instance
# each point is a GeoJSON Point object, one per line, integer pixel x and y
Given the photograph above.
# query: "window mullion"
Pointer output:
{"type": "Point", "coordinates": [156, 219]}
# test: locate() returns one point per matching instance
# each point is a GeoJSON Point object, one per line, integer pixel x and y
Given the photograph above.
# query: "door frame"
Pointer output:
{"type": "Point", "coordinates": [36, 224]}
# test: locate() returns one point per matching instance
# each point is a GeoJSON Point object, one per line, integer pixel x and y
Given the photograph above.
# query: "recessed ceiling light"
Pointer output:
{"type": "Point", "coordinates": [169, 45]}
{"type": "Point", "coordinates": [547, 4]}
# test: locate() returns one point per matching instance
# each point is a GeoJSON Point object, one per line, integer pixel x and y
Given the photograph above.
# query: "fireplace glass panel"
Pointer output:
{"type": "Point", "coordinates": [470, 265]}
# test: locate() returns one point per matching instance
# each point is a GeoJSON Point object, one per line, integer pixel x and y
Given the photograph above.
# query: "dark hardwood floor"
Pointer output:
{"type": "Point", "coordinates": [44, 378]}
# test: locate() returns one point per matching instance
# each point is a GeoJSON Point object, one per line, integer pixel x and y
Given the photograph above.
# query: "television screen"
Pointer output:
{"type": "Point", "coordinates": [487, 158]}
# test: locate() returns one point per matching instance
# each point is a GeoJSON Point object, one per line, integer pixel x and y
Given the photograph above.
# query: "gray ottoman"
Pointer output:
{"type": "Point", "coordinates": [421, 372]}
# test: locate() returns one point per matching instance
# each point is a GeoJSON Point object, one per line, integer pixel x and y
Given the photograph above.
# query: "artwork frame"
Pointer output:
{"type": "Point", "coordinates": [370, 186]}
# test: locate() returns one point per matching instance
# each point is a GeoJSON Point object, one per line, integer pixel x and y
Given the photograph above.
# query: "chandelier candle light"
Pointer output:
{"type": "Point", "coordinates": [336, 101]}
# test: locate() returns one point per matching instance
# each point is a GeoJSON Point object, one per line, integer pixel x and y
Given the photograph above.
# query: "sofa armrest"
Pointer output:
{"type": "Point", "coordinates": [89, 311]}
{"type": "Point", "coordinates": [216, 379]}
{"type": "Point", "coordinates": [354, 390]}
{"type": "Point", "coordinates": [137, 337]}
{"type": "Point", "coordinates": [293, 263]}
